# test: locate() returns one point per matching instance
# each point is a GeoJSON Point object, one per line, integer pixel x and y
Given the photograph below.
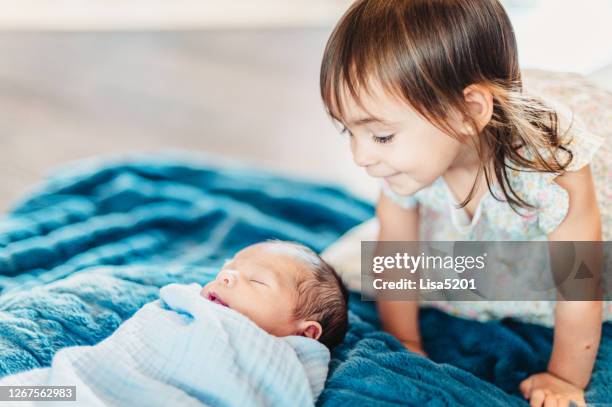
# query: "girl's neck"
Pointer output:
{"type": "Point", "coordinates": [467, 161]}
{"type": "Point", "coordinates": [467, 164]}
{"type": "Point", "coordinates": [462, 175]}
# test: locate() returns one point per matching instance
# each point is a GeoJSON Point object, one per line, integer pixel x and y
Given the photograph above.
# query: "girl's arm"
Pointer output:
{"type": "Point", "coordinates": [399, 318]}
{"type": "Point", "coordinates": [577, 323]}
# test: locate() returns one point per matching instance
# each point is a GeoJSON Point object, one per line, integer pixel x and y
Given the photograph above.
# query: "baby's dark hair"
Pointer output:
{"type": "Point", "coordinates": [322, 296]}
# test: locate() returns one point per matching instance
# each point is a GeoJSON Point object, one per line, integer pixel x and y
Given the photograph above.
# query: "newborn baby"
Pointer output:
{"type": "Point", "coordinates": [286, 289]}
{"type": "Point", "coordinates": [258, 335]}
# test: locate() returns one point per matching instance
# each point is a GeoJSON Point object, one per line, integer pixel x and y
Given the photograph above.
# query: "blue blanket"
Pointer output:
{"type": "Point", "coordinates": [184, 350]}
{"type": "Point", "coordinates": [99, 239]}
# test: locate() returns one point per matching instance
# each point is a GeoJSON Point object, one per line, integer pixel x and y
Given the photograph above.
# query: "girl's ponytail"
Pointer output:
{"type": "Point", "coordinates": [523, 135]}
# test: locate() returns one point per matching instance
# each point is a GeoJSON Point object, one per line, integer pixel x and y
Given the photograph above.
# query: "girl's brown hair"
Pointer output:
{"type": "Point", "coordinates": [426, 52]}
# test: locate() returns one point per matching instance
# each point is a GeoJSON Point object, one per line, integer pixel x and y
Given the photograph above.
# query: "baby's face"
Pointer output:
{"type": "Point", "coordinates": [260, 283]}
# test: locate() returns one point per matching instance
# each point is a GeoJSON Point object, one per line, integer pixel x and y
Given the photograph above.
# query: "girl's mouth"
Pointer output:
{"type": "Point", "coordinates": [215, 298]}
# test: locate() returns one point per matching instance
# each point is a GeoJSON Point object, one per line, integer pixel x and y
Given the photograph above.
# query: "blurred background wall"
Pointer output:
{"type": "Point", "coordinates": [237, 79]}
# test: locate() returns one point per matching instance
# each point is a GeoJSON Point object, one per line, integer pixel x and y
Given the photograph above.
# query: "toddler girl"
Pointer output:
{"type": "Point", "coordinates": [431, 96]}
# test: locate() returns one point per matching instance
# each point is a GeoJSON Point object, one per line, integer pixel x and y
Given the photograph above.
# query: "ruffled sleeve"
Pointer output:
{"type": "Point", "coordinates": [553, 205]}
{"type": "Point", "coordinates": [540, 189]}
{"type": "Point", "coordinates": [405, 202]}
{"type": "Point", "coordinates": [550, 200]}
{"type": "Point", "coordinates": [581, 141]}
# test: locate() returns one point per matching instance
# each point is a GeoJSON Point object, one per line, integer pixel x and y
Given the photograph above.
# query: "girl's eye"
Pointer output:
{"type": "Point", "coordinates": [258, 282]}
{"type": "Point", "coordinates": [383, 139]}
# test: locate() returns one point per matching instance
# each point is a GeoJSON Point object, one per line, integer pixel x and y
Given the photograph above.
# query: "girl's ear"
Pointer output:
{"type": "Point", "coordinates": [480, 103]}
{"type": "Point", "coordinates": [310, 329]}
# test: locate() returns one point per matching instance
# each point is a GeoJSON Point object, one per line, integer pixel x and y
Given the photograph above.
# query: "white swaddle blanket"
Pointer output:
{"type": "Point", "coordinates": [192, 352]}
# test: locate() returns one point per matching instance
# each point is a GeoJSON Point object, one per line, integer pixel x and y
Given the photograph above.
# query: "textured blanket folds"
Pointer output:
{"type": "Point", "coordinates": [95, 243]}
{"type": "Point", "coordinates": [187, 351]}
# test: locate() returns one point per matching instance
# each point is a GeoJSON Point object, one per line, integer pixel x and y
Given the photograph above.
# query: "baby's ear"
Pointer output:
{"type": "Point", "coordinates": [311, 329]}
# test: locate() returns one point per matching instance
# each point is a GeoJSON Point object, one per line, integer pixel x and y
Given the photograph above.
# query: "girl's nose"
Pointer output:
{"type": "Point", "coordinates": [227, 278]}
{"type": "Point", "coordinates": [362, 155]}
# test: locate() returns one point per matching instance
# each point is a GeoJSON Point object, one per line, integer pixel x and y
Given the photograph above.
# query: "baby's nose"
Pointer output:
{"type": "Point", "coordinates": [227, 278]}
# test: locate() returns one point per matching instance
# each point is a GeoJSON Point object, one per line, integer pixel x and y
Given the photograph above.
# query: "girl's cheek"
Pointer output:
{"type": "Point", "coordinates": [405, 162]}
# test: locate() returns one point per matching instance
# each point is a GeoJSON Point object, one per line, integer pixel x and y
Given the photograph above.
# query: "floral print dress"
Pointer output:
{"type": "Point", "coordinates": [587, 112]}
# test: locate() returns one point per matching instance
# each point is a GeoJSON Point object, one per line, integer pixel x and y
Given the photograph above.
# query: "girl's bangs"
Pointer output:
{"type": "Point", "coordinates": [346, 83]}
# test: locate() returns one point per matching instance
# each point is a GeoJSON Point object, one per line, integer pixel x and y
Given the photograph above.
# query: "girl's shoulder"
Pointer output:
{"type": "Point", "coordinates": [584, 111]}
{"type": "Point", "coordinates": [585, 124]}
{"type": "Point", "coordinates": [575, 95]}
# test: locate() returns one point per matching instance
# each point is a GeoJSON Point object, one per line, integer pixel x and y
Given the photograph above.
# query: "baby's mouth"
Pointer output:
{"type": "Point", "coordinates": [215, 298]}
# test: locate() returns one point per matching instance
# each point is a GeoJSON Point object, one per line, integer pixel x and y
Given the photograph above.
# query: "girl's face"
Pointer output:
{"type": "Point", "coordinates": [393, 143]}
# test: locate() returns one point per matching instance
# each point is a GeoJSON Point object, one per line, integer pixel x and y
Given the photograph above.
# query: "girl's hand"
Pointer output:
{"type": "Point", "coordinates": [545, 389]}
{"type": "Point", "coordinates": [415, 346]}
